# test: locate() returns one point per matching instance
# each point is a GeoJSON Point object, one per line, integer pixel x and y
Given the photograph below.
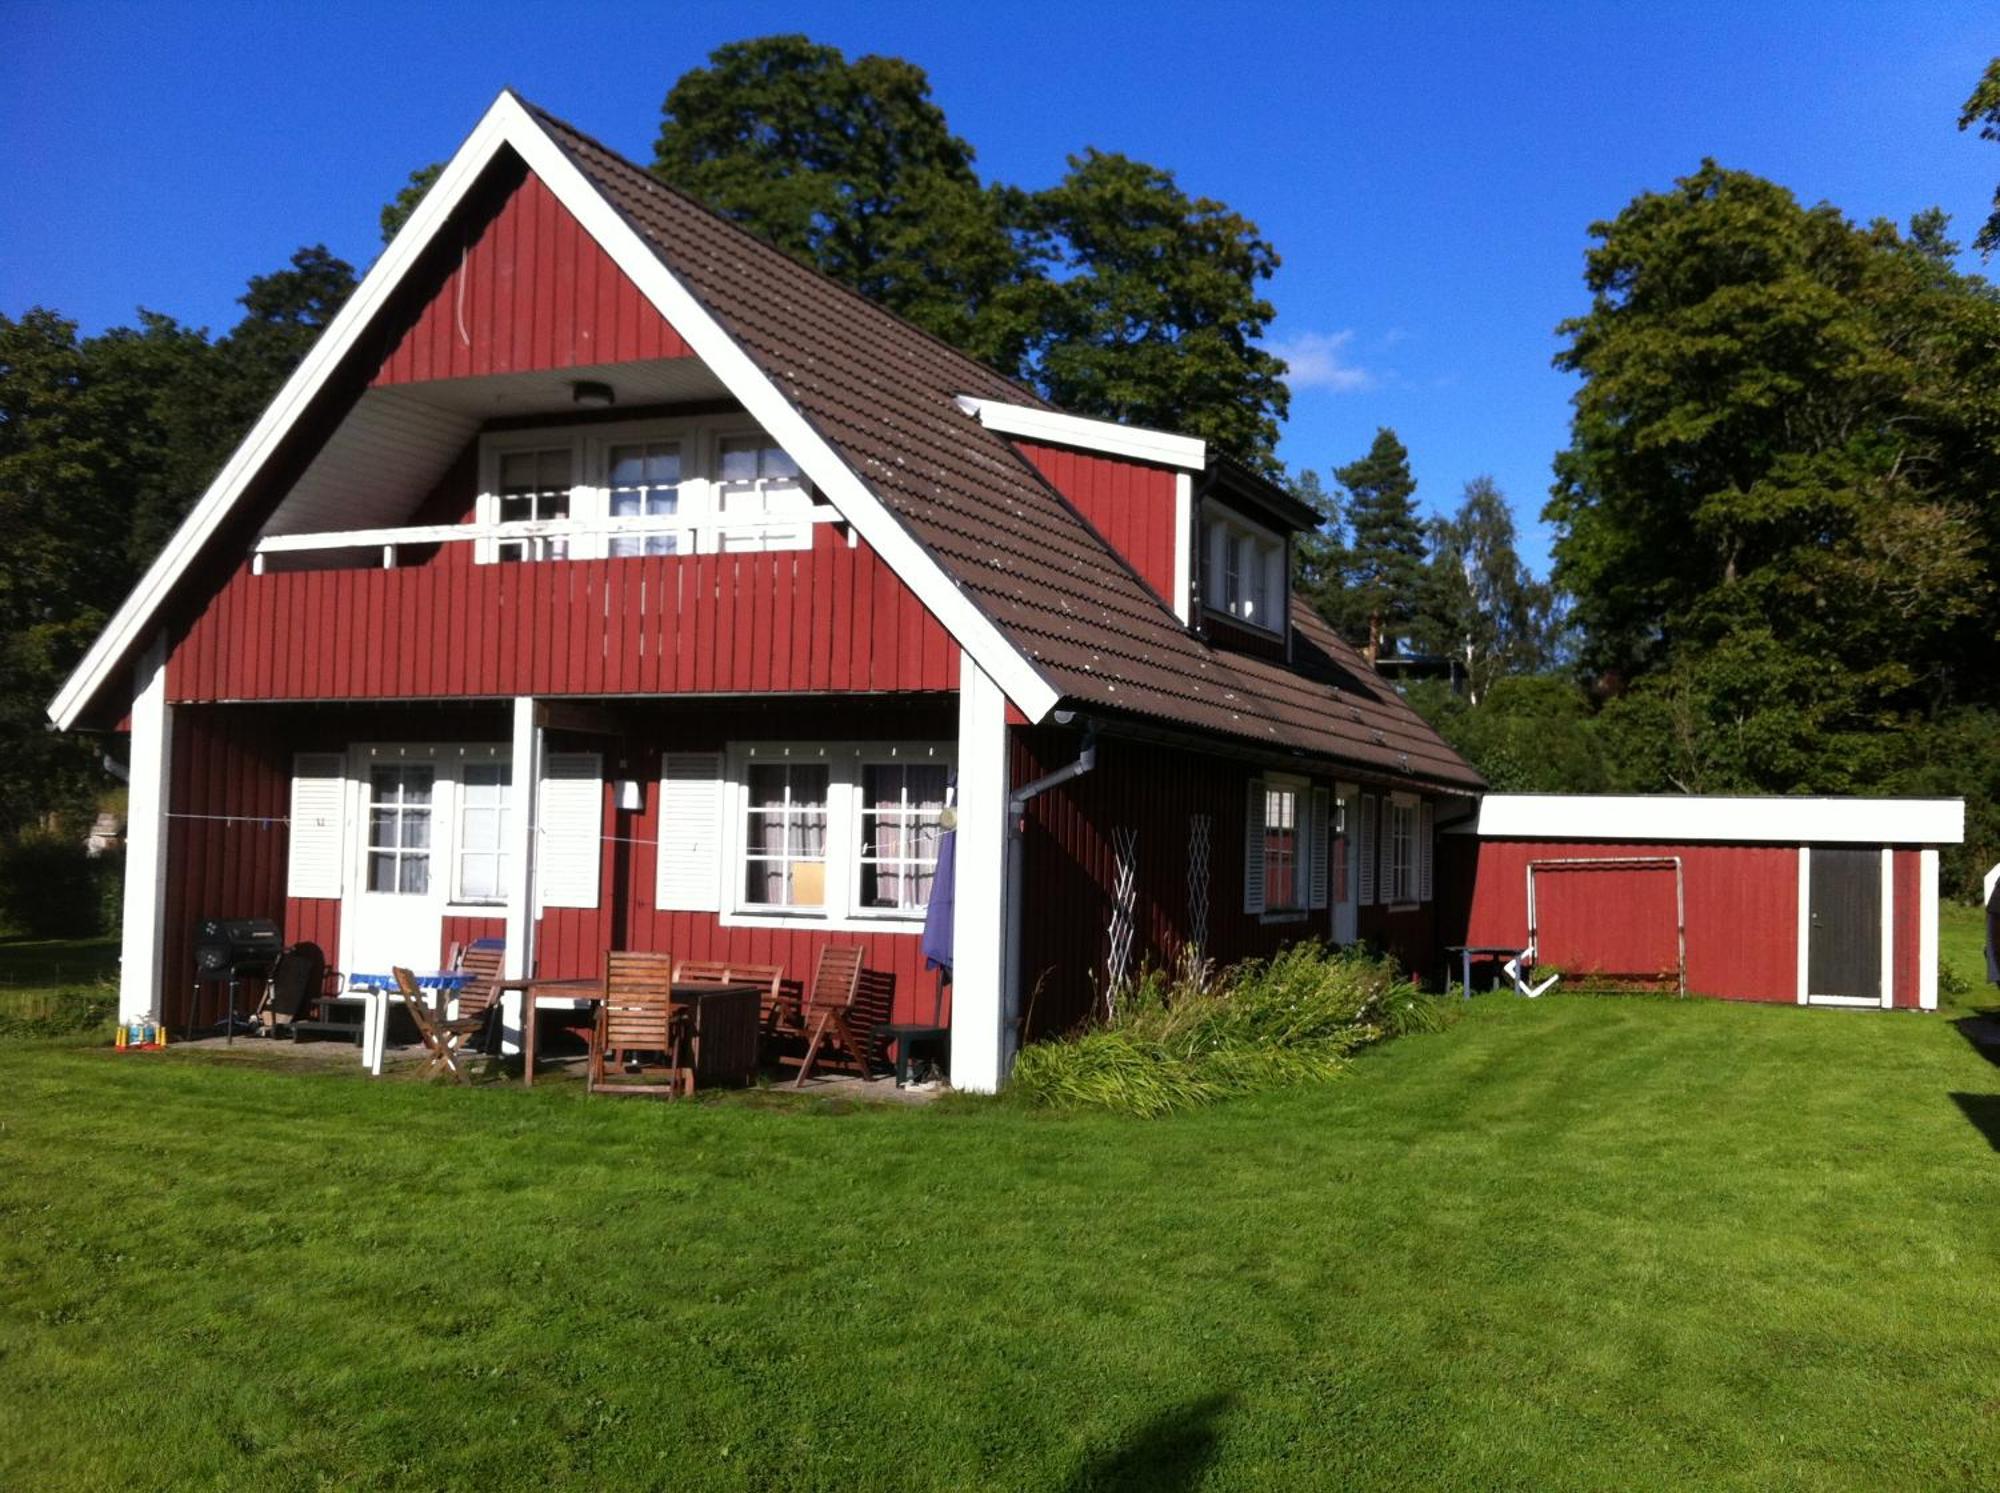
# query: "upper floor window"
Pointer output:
{"type": "Point", "coordinates": [1243, 570]}
{"type": "Point", "coordinates": [639, 488]}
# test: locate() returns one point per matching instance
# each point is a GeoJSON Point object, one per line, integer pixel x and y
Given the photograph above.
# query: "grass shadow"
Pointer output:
{"type": "Point", "coordinates": [1983, 1032]}
{"type": "Point", "coordinates": [1983, 1110]}
{"type": "Point", "coordinates": [1169, 1452]}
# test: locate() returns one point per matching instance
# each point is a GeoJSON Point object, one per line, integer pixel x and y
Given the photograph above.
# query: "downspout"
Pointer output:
{"type": "Point", "coordinates": [1017, 811]}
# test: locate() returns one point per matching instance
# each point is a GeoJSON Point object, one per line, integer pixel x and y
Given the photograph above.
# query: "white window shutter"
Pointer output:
{"type": "Point", "coordinates": [1321, 840]}
{"type": "Point", "coordinates": [689, 878]}
{"type": "Point", "coordinates": [570, 818]}
{"type": "Point", "coordinates": [1426, 834]}
{"type": "Point", "coordinates": [319, 825]}
{"type": "Point", "coordinates": [1364, 849]}
{"type": "Point", "coordinates": [1253, 848]}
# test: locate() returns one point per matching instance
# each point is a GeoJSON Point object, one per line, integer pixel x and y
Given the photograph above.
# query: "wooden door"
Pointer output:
{"type": "Point", "coordinates": [1844, 949]}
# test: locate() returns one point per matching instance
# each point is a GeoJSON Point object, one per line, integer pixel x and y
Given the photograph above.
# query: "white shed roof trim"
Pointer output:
{"type": "Point", "coordinates": [1676, 819]}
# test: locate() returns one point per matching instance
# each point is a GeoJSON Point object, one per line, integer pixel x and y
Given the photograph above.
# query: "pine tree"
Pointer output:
{"type": "Point", "coordinates": [1385, 551]}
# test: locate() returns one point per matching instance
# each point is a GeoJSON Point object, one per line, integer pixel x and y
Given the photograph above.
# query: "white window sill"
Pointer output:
{"type": "Point", "coordinates": [1218, 615]}
{"type": "Point", "coordinates": [1402, 907]}
{"type": "Point", "coordinates": [1293, 915]}
{"type": "Point", "coordinates": [819, 922]}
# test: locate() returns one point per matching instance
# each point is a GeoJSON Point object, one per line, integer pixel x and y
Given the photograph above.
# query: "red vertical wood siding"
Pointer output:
{"type": "Point", "coordinates": [1742, 909]}
{"type": "Point", "coordinates": [1129, 502]}
{"type": "Point", "coordinates": [665, 624]}
{"type": "Point", "coordinates": [533, 291]}
{"type": "Point", "coordinates": [227, 841]}
{"type": "Point", "coordinates": [1906, 890]}
{"type": "Point", "coordinates": [1069, 863]}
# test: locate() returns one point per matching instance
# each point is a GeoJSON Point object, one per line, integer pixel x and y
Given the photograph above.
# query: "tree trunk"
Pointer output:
{"type": "Point", "coordinates": [1373, 650]}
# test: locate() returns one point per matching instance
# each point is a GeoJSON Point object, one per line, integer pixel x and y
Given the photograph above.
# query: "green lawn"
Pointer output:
{"type": "Point", "coordinates": [1574, 1243]}
{"type": "Point", "coordinates": [1962, 947]}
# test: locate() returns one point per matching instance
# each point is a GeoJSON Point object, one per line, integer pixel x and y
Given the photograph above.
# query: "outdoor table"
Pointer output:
{"type": "Point", "coordinates": [539, 995]}
{"type": "Point", "coordinates": [908, 1035]}
{"type": "Point", "coordinates": [1469, 952]}
{"type": "Point", "coordinates": [377, 990]}
{"type": "Point", "coordinates": [723, 1025]}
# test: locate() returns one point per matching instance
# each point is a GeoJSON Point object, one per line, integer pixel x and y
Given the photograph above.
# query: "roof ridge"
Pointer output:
{"type": "Point", "coordinates": [874, 306]}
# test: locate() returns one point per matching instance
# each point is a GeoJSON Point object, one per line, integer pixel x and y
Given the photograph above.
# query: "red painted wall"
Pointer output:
{"type": "Point", "coordinates": [1907, 915]}
{"type": "Point", "coordinates": [1069, 871]}
{"type": "Point", "coordinates": [1130, 503]}
{"type": "Point", "coordinates": [832, 618]}
{"type": "Point", "coordinates": [1742, 910]}
{"type": "Point", "coordinates": [533, 291]}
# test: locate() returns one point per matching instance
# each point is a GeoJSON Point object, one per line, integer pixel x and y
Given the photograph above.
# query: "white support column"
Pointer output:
{"type": "Point", "coordinates": [1927, 929]}
{"type": "Point", "coordinates": [1888, 927]}
{"type": "Point", "coordinates": [143, 927]}
{"type": "Point", "coordinates": [1805, 923]}
{"type": "Point", "coordinates": [526, 772]}
{"type": "Point", "coordinates": [982, 1003]}
{"type": "Point", "coordinates": [1184, 543]}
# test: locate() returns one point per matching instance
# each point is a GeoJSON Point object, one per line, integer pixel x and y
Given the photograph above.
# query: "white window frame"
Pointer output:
{"type": "Point", "coordinates": [1401, 829]}
{"type": "Point", "coordinates": [841, 911]}
{"type": "Point", "coordinates": [447, 761]}
{"type": "Point", "coordinates": [1300, 792]}
{"type": "Point", "coordinates": [1260, 587]}
{"type": "Point", "coordinates": [699, 493]}
{"type": "Point", "coordinates": [508, 807]}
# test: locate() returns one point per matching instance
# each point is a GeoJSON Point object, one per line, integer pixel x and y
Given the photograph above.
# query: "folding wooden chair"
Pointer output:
{"type": "Point", "coordinates": [777, 1008]}
{"type": "Point", "coordinates": [829, 1011]}
{"type": "Point", "coordinates": [636, 1017]}
{"type": "Point", "coordinates": [441, 1052]}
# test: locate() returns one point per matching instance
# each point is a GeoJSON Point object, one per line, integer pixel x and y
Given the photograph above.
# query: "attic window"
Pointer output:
{"type": "Point", "coordinates": [1243, 570]}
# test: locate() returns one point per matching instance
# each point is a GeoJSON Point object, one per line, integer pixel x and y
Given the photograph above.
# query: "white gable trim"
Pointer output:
{"type": "Point", "coordinates": [508, 123]}
{"type": "Point", "coordinates": [1105, 436]}
{"type": "Point", "coordinates": [1678, 820]}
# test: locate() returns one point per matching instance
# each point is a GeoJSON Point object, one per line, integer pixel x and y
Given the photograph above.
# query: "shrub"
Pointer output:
{"type": "Point", "coordinates": [49, 887]}
{"type": "Point", "coordinates": [62, 1013]}
{"type": "Point", "coordinates": [1182, 1039]}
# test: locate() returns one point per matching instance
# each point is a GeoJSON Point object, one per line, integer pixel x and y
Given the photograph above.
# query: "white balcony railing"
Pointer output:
{"type": "Point", "coordinates": [710, 534]}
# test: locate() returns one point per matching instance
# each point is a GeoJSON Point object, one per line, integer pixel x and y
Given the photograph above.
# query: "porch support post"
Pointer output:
{"type": "Point", "coordinates": [981, 998]}
{"type": "Point", "coordinates": [150, 774]}
{"type": "Point", "coordinates": [527, 776]}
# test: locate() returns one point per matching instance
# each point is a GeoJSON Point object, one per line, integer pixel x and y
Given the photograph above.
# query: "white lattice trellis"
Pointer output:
{"type": "Point", "coordinates": [1200, 827]}
{"type": "Point", "coordinates": [1124, 905]}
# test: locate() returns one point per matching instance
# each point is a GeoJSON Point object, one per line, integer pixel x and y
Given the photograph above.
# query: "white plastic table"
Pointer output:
{"type": "Point", "coordinates": [377, 991]}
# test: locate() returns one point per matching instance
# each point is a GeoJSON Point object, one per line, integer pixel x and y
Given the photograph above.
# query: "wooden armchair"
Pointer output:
{"type": "Point", "coordinates": [777, 1008]}
{"type": "Point", "coordinates": [830, 1014]}
{"type": "Point", "coordinates": [635, 1019]}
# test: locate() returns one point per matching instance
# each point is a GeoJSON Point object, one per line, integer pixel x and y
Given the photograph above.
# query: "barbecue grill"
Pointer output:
{"type": "Point", "coordinates": [228, 951]}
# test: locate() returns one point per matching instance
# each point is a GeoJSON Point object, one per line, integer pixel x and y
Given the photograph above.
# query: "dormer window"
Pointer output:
{"type": "Point", "coordinates": [1243, 570]}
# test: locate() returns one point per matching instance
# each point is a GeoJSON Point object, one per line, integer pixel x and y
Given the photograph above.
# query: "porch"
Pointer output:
{"type": "Point", "coordinates": [754, 831]}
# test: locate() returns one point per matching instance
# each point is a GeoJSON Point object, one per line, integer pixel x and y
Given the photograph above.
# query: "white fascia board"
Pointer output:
{"type": "Point", "coordinates": [1670, 818]}
{"type": "Point", "coordinates": [129, 622]}
{"type": "Point", "coordinates": [508, 123]}
{"type": "Point", "coordinates": [1058, 429]}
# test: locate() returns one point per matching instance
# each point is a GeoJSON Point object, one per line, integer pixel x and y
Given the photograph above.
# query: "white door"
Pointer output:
{"type": "Point", "coordinates": [396, 914]}
{"type": "Point", "coordinates": [1340, 854]}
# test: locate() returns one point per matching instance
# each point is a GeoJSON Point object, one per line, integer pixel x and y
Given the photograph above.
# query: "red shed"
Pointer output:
{"type": "Point", "coordinates": [1820, 901]}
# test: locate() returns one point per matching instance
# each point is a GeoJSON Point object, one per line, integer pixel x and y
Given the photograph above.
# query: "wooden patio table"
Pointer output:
{"type": "Point", "coordinates": [724, 1022]}
{"type": "Point", "coordinates": [577, 995]}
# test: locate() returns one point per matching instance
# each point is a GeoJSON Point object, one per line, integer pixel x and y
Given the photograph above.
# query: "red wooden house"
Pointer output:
{"type": "Point", "coordinates": [589, 492]}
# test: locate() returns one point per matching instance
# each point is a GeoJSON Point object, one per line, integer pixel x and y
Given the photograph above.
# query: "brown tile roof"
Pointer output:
{"type": "Point", "coordinates": [880, 391]}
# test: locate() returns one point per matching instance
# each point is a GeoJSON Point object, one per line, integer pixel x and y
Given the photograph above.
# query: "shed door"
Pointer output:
{"type": "Point", "coordinates": [1844, 949]}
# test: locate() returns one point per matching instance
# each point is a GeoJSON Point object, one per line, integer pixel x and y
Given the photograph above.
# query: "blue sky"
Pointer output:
{"type": "Point", "coordinates": [1427, 172]}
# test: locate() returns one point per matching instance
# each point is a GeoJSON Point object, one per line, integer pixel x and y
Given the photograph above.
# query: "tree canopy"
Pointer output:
{"type": "Point", "coordinates": [1112, 292]}
{"type": "Point", "coordinates": [1982, 107]}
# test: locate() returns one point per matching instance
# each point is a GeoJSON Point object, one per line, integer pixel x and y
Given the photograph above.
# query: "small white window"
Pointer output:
{"type": "Point", "coordinates": [399, 829]}
{"type": "Point", "coordinates": [757, 482]}
{"type": "Point", "coordinates": [1243, 570]}
{"type": "Point", "coordinates": [784, 835]}
{"type": "Point", "coordinates": [1402, 867]}
{"type": "Point", "coordinates": [900, 806]}
{"type": "Point", "coordinates": [1282, 891]}
{"type": "Point", "coordinates": [643, 480]}
{"type": "Point", "coordinates": [535, 486]}
{"type": "Point", "coordinates": [484, 791]}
